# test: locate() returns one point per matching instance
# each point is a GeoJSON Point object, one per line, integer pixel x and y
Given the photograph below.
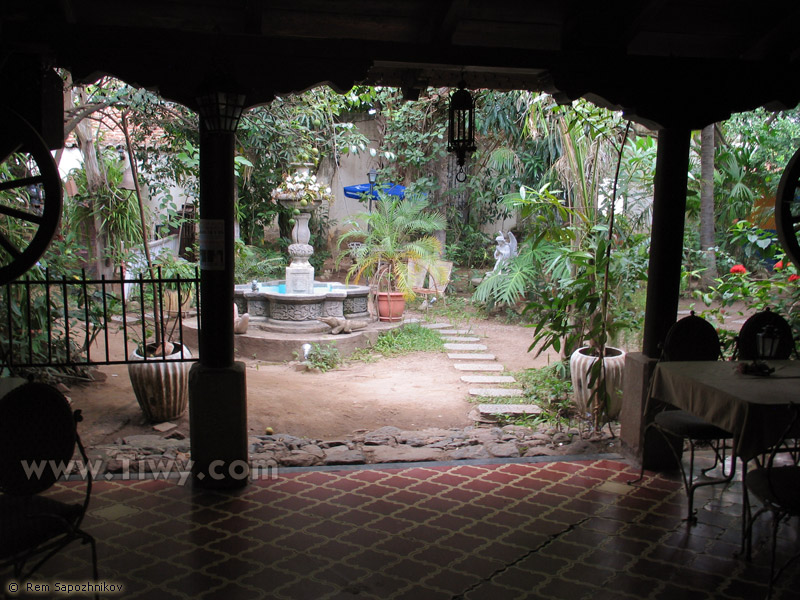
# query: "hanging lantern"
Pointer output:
{"type": "Point", "coordinates": [461, 131]}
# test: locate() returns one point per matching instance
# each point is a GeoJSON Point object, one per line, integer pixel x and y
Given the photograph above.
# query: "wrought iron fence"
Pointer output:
{"type": "Point", "coordinates": [76, 321]}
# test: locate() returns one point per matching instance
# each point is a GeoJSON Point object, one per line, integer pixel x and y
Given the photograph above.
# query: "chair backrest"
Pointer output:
{"type": "Point", "coordinates": [691, 338]}
{"type": "Point", "coordinates": [784, 453]}
{"type": "Point", "coordinates": [416, 274]}
{"type": "Point", "coordinates": [36, 426]}
{"type": "Point", "coordinates": [438, 275]}
{"type": "Point", "coordinates": [747, 340]}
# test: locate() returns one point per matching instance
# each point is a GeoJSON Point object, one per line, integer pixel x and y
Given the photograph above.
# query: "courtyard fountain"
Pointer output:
{"type": "Point", "coordinates": [296, 303]}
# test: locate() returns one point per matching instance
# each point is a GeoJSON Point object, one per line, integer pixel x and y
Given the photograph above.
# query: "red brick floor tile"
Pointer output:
{"type": "Point", "coordinates": [438, 555]}
{"type": "Point", "coordinates": [307, 588]}
{"type": "Point", "coordinates": [564, 588]}
{"type": "Point", "coordinates": [358, 516]}
{"type": "Point", "coordinates": [479, 565]}
{"type": "Point", "coordinates": [671, 591]}
{"type": "Point", "coordinates": [370, 475]}
{"type": "Point", "coordinates": [425, 533]}
{"type": "Point", "coordinates": [500, 476]}
{"type": "Point", "coordinates": [610, 558]}
{"type": "Point", "coordinates": [471, 470]}
{"type": "Point", "coordinates": [416, 593]}
{"type": "Point", "coordinates": [451, 580]}
{"type": "Point", "coordinates": [492, 591]}
{"type": "Point", "coordinates": [465, 543]}
{"type": "Point", "coordinates": [545, 530]}
{"type": "Point", "coordinates": [269, 578]}
{"type": "Point", "coordinates": [365, 538]}
{"type": "Point", "coordinates": [411, 569]}
{"type": "Point", "coordinates": [632, 585]}
{"type": "Point", "coordinates": [391, 525]}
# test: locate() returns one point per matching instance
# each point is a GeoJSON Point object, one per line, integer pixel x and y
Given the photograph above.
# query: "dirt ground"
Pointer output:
{"type": "Point", "coordinates": [410, 392]}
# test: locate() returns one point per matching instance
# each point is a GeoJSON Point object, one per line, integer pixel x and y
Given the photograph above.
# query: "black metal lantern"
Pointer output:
{"type": "Point", "coordinates": [461, 130]}
{"type": "Point", "coordinates": [220, 111]}
{"type": "Point", "coordinates": [767, 341]}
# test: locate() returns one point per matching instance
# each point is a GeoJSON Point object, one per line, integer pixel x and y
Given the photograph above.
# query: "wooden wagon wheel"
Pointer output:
{"type": "Point", "coordinates": [787, 209]}
{"type": "Point", "coordinates": [30, 196]}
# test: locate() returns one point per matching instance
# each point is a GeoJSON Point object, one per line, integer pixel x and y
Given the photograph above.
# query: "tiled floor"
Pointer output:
{"type": "Point", "coordinates": [551, 529]}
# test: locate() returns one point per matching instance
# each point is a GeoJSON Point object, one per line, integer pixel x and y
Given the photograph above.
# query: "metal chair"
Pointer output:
{"type": "Point", "coordinates": [775, 482]}
{"type": "Point", "coordinates": [689, 339]}
{"type": "Point", "coordinates": [38, 435]}
{"type": "Point", "coordinates": [747, 347]}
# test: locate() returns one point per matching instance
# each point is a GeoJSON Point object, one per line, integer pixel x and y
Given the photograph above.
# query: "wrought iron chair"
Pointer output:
{"type": "Point", "coordinates": [38, 435]}
{"type": "Point", "coordinates": [775, 482]}
{"type": "Point", "coordinates": [747, 342]}
{"type": "Point", "coordinates": [689, 339]}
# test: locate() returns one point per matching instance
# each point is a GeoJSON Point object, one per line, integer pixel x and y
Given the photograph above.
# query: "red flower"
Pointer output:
{"type": "Point", "coordinates": [778, 265]}
{"type": "Point", "coordinates": [738, 269]}
{"type": "Point", "coordinates": [793, 277]}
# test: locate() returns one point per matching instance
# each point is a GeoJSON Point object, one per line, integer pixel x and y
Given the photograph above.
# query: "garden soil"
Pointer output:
{"type": "Point", "coordinates": [409, 392]}
{"type": "Point", "coordinates": [414, 391]}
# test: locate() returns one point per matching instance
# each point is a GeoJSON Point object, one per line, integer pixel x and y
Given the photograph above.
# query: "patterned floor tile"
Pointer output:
{"type": "Point", "coordinates": [551, 529]}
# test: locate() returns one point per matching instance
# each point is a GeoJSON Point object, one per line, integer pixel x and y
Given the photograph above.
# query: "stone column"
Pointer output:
{"type": "Point", "coordinates": [217, 389]}
{"type": "Point", "coordinates": [663, 290]}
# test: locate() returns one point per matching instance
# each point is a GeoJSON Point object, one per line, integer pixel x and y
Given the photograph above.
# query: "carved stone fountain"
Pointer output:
{"type": "Point", "coordinates": [295, 304]}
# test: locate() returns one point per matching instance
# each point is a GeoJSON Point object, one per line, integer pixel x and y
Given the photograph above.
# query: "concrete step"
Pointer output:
{"type": "Point", "coordinates": [488, 410]}
{"type": "Point", "coordinates": [455, 331]}
{"type": "Point", "coordinates": [488, 379]}
{"type": "Point", "coordinates": [465, 347]}
{"type": "Point", "coordinates": [470, 356]}
{"type": "Point", "coordinates": [460, 338]}
{"type": "Point", "coordinates": [436, 325]}
{"type": "Point", "coordinates": [495, 392]}
{"type": "Point", "coordinates": [478, 366]}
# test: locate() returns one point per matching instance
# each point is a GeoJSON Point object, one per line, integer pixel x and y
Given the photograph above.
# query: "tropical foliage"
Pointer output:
{"type": "Point", "coordinates": [394, 233]}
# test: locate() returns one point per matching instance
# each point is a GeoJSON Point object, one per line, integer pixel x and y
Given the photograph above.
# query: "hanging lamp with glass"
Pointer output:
{"type": "Point", "coordinates": [461, 127]}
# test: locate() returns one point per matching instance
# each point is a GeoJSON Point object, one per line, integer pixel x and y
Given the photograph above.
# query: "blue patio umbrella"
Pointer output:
{"type": "Point", "coordinates": [391, 189]}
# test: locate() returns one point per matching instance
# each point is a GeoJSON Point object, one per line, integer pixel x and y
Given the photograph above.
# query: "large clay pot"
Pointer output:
{"type": "Point", "coordinates": [580, 364]}
{"type": "Point", "coordinates": [391, 306]}
{"type": "Point", "coordinates": [161, 387]}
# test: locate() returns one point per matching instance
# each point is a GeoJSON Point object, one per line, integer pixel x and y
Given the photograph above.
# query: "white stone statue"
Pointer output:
{"type": "Point", "coordinates": [240, 323]}
{"type": "Point", "coordinates": [506, 249]}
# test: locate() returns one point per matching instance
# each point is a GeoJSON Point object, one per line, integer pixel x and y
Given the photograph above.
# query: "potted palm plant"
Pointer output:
{"type": "Point", "coordinates": [395, 232]}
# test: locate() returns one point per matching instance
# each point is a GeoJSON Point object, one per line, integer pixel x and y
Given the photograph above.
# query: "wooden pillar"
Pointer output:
{"type": "Point", "coordinates": [666, 237]}
{"type": "Point", "coordinates": [663, 291]}
{"type": "Point", "coordinates": [215, 337]}
{"type": "Point", "coordinates": [217, 387]}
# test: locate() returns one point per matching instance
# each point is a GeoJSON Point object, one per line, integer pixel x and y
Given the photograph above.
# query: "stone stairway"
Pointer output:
{"type": "Point", "coordinates": [482, 370]}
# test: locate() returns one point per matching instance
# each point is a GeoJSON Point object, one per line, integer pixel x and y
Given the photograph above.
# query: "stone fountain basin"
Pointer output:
{"type": "Point", "coordinates": [272, 309]}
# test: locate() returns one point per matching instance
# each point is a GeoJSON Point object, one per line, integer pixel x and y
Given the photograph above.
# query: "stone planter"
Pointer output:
{"type": "Point", "coordinates": [161, 387]}
{"type": "Point", "coordinates": [580, 364]}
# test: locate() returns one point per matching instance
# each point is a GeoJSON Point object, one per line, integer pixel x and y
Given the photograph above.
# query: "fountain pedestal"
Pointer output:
{"type": "Point", "coordinates": [300, 273]}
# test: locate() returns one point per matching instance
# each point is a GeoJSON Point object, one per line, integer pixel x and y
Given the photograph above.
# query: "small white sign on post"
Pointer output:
{"type": "Point", "coordinates": [212, 244]}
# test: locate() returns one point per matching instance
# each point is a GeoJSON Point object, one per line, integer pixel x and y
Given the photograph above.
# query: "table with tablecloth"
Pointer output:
{"type": "Point", "coordinates": [755, 409]}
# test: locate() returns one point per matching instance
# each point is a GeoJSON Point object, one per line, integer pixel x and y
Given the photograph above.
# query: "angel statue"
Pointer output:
{"type": "Point", "coordinates": [506, 249]}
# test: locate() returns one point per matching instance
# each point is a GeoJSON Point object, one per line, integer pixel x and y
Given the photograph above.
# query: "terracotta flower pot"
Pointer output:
{"type": "Point", "coordinates": [391, 306]}
{"type": "Point", "coordinates": [580, 364]}
{"type": "Point", "coordinates": [161, 387]}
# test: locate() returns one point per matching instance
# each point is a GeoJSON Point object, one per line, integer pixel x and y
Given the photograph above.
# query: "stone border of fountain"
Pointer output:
{"type": "Point", "coordinates": [272, 309]}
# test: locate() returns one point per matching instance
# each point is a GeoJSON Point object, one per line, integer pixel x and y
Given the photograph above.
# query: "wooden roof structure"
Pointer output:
{"type": "Point", "coordinates": [663, 61]}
